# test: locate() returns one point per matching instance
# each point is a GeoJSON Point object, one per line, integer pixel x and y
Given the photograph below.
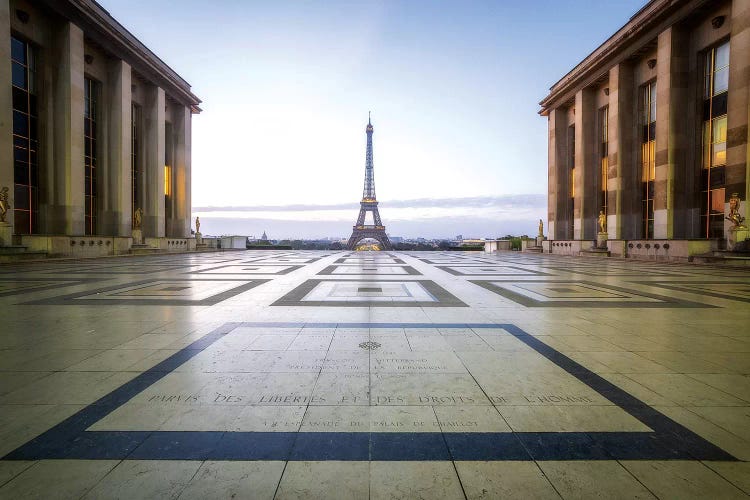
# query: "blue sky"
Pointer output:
{"type": "Point", "coordinates": [453, 88]}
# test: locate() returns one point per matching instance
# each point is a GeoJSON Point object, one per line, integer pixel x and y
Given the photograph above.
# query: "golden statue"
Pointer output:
{"type": "Point", "coordinates": [602, 222]}
{"type": "Point", "coordinates": [4, 203]}
{"type": "Point", "coordinates": [197, 225]}
{"type": "Point", "coordinates": [137, 218]}
{"type": "Point", "coordinates": [734, 212]}
{"type": "Point", "coordinates": [541, 228]}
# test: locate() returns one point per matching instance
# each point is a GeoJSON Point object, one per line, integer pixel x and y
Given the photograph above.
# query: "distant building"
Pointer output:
{"type": "Point", "coordinates": [472, 241]}
{"type": "Point", "coordinates": [652, 130]}
{"type": "Point", "coordinates": [93, 127]}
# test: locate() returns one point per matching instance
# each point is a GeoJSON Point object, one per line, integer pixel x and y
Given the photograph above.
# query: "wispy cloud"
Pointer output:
{"type": "Point", "coordinates": [510, 201]}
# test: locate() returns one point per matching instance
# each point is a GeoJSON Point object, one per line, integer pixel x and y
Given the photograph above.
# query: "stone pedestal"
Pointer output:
{"type": "Point", "coordinates": [137, 237]}
{"type": "Point", "coordinates": [539, 240]}
{"type": "Point", "coordinates": [601, 240]}
{"type": "Point", "coordinates": [736, 239]}
{"type": "Point", "coordinates": [6, 234]}
{"type": "Point", "coordinates": [198, 239]}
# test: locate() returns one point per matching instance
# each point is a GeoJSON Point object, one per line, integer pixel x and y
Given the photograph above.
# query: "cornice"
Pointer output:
{"type": "Point", "coordinates": [637, 33]}
{"type": "Point", "coordinates": [99, 25]}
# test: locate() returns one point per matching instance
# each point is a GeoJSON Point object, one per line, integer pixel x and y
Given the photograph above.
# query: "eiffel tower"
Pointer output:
{"type": "Point", "coordinates": [369, 204]}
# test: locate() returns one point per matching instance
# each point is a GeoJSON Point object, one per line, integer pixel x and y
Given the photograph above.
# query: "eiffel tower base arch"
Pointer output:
{"type": "Point", "coordinates": [360, 234]}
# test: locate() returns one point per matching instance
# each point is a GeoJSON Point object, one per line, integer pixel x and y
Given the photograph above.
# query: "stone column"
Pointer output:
{"type": "Point", "coordinates": [622, 184]}
{"type": "Point", "coordinates": [738, 115]}
{"type": "Point", "coordinates": [153, 205]}
{"type": "Point", "coordinates": [614, 185]}
{"type": "Point", "coordinates": [116, 177]}
{"type": "Point", "coordinates": [6, 119]}
{"type": "Point", "coordinates": [182, 120]}
{"type": "Point", "coordinates": [65, 183]}
{"type": "Point", "coordinates": [584, 205]}
{"type": "Point", "coordinates": [746, 210]}
{"type": "Point", "coordinates": [671, 138]}
{"type": "Point", "coordinates": [557, 175]}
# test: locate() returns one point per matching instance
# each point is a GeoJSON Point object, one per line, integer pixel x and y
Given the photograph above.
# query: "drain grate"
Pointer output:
{"type": "Point", "coordinates": [369, 346]}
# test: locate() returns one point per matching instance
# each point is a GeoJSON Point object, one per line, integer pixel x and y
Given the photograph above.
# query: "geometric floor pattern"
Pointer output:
{"type": "Point", "coordinates": [19, 285]}
{"type": "Point", "coordinates": [290, 374]}
{"type": "Point", "coordinates": [174, 292]}
{"type": "Point", "coordinates": [725, 289]}
{"type": "Point", "coordinates": [245, 269]}
{"type": "Point", "coordinates": [488, 270]}
{"type": "Point", "coordinates": [235, 425]}
{"type": "Point", "coordinates": [369, 292]}
{"type": "Point", "coordinates": [571, 293]}
{"type": "Point", "coordinates": [368, 270]}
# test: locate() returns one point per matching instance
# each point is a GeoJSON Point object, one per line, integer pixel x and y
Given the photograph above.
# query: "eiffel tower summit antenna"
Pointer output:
{"type": "Point", "coordinates": [369, 203]}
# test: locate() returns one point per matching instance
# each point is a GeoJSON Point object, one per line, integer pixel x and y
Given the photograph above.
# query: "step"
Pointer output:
{"type": "Point", "coordinates": [12, 249]}
{"type": "Point", "coordinates": [144, 250]}
{"type": "Point", "coordinates": [737, 259]}
{"type": "Point", "coordinates": [595, 252]}
{"type": "Point", "coordinates": [19, 253]}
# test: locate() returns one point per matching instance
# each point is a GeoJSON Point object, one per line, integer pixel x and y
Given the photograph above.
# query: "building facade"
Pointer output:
{"type": "Point", "coordinates": [651, 130]}
{"type": "Point", "coordinates": [94, 127]}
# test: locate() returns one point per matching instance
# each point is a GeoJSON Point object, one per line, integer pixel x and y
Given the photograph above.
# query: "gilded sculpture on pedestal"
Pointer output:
{"type": "Point", "coordinates": [541, 228]}
{"type": "Point", "coordinates": [734, 212]}
{"type": "Point", "coordinates": [197, 225]}
{"type": "Point", "coordinates": [137, 218]}
{"type": "Point", "coordinates": [602, 219]}
{"type": "Point", "coordinates": [4, 203]}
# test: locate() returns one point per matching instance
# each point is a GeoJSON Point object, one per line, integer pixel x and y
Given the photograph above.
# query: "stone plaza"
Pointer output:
{"type": "Point", "coordinates": [291, 374]}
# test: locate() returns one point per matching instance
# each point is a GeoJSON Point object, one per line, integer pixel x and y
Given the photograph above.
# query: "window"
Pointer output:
{"type": "Point", "coordinates": [135, 141]}
{"type": "Point", "coordinates": [648, 159]}
{"type": "Point", "coordinates": [714, 157]}
{"type": "Point", "coordinates": [603, 157]}
{"type": "Point", "coordinates": [90, 95]}
{"type": "Point", "coordinates": [716, 79]}
{"type": "Point", "coordinates": [167, 181]}
{"type": "Point", "coordinates": [25, 139]}
{"type": "Point", "coordinates": [571, 178]}
{"type": "Point", "coordinates": [168, 175]}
